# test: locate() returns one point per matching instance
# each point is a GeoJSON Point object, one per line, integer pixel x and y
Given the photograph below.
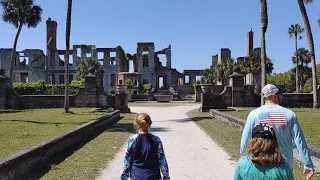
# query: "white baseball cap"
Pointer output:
{"type": "Point", "coordinates": [271, 89]}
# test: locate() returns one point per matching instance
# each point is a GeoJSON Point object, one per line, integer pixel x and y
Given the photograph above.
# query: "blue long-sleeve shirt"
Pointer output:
{"type": "Point", "coordinates": [287, 128]}
{"type": "Point", "coordinates": [144, 159]}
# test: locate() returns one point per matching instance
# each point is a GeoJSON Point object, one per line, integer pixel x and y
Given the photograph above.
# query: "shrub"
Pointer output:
{"type": "Point", "coordinates": [40, 88]}
{"type": "Point", "coordinates": [197, 83]}
{"type": "Point", "coordinates": [129, 84]}
{"type": "Point", "coordinates": [146, 88]}
{"type": "Point", "coordinates": [307, 88]}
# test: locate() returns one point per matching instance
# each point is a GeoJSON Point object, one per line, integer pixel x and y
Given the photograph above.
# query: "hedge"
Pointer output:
{"type": "Point", "coordinates": [40, 88]}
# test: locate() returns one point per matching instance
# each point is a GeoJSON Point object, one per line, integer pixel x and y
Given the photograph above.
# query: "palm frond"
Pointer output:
{"type": "Point", "coordinates": [308, 1]}
{"type": "Point", "coordinates": [34, 16]}
{"type": "Point", "coordinates": [23, 12]}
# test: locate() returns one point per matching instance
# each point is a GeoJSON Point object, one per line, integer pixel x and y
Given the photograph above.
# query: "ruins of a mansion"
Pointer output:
{"type": "Point", "coordinates": [34, 64]}
{"type": "Point", "coordinates": [225, 53]}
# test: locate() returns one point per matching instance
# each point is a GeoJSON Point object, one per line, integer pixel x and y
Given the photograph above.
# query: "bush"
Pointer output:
{"type": "Point", "coordinates": [197, 83]}
{"type": "Point", "coordinates": [40, 88]}
{"type": "Point", "coordinates": [307, 88]}
{"type": "Point", "coordinates": [129, 84]}
{"type": "Point", "coordinates": [146, 89]}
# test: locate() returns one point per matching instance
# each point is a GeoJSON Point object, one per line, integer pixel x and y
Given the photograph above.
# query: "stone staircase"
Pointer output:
{"type": "Point", "coordinates": [163, 92]}
{"type": "Point", "coordinates": [187, 97]}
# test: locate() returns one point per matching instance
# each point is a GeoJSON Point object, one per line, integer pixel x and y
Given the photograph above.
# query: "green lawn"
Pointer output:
{"type": "Point", "coordinates": [87, 162]}
{"type": "Point", "coordinates": [307, 117]}
{"type": "Point", "coordinates": [160, 104]}
{"type": "Point", "coordinates": [23, 129]}
{"type": "Point", "coordinates": [229, 138]}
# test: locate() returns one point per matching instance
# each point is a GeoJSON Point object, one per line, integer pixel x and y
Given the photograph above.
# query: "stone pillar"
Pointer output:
{"type": "Point", "coordinates": [3, 94]}
{"type": "Point", "coordinates": [83, 54]}
{"type": "Point", "coordinates": [94, 53]}
{"type": "Point", "coordinates": [237, 83]}
{"type": "Point", "coordinates": [90, 84]}
{"type": "Point", "coordinates": [121, 103]}
{"type": "Point", "coordinates": [152, 78]}
{"type": "Point", "coordinates": [106, 65]}
{"type": "Point", "coordinates": [192, 79]}
{"type": "Point", "coordinates": [139, 65]}
{"type": "Point", "coordinates": [168, 57]}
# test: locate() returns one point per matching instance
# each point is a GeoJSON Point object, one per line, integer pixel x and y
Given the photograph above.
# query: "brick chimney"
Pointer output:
{"type": "Point", "coordinates": [250, 41]}
{"type": "Point", "coordinates": [51, 40]}
{"type": "Point", "coordinates": [51, 33]}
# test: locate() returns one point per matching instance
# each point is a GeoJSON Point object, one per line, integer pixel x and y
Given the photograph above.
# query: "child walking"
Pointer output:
{"type": "Point", "coordinates": [264, 160]}
{"type": "Point", "coordinates": [144, 156]}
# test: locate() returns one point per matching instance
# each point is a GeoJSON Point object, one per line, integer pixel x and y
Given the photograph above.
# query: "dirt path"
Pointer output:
{"type": "Point", "coordinates": [191, 154]}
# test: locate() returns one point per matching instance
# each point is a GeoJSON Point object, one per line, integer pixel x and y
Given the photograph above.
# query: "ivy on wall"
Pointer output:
{"type": "Point", "coordinates": [84, 47]}
{"type": "Point", "coordinates": [40, 88]}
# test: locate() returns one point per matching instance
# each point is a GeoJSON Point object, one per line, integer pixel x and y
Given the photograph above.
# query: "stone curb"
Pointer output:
{"type": "Point", "coordinates": [22, 162]}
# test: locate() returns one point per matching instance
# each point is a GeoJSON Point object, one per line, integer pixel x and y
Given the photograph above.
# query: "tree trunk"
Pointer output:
{"type": "Point", "coordinates": [301, 76]}
{"type": "Point", "coordinates": [297, 64]}
{"type": "Point", "coordinates": [312, 51]}
{"type": "Point", "coordinates": [68, 29]}
{"type": "Point", "coordinates": [264, 26]}
{"type": "Point", "coordinates": [13, 53]}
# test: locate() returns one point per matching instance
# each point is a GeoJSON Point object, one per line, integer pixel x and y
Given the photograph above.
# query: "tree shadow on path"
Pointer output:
{"type": "Point", "coordinates": [186, 120]}
{"type": "Point", "coordinates": [45, 167]}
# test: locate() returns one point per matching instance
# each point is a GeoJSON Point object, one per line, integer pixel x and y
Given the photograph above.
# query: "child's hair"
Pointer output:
{"type": "Point", "coordinates": [143, 122]}
{"type": "Point", "coordinates": [264, 146]}
{"type": "Point", "coordinates": [265, 151]}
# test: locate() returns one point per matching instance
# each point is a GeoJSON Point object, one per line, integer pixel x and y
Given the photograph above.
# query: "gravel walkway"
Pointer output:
{"type": "Point", "coordinates": [191, 154]}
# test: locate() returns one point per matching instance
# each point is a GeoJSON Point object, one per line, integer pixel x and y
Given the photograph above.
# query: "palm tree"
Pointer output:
{"type": "Point", "coordinates": [294, 31]}
{"type": "Point", "coordinates": [68, 29]}
{"type": "Point", "coordinates": [252, 63]}
{"type": "Point", "coordinates": [83, 67]}
{"type": "Point", "coordinates": [311, 48]}
{"type": "Point", "coordinates": [208, 76]}
{"type": "Point", "coordinates": [224, 70]}
{"type": "Point", "coordinates": [303, 58]}
{"type": "Point", "coordinates": [264, 26]}
{"type": "Point", "coordinates": [19, 13]}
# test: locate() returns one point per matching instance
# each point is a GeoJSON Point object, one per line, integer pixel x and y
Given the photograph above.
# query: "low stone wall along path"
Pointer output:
{"type": "Point", "coordinates": [191, 154]}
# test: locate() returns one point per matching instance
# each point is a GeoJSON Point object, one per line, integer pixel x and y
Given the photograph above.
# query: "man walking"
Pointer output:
{"type": "Point", "coordinates": [285, 123]}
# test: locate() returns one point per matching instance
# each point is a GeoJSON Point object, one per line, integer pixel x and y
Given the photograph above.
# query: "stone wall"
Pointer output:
{"type": "Point", "coordinates": [15, 166]}
{"type": "Point", "coordinates": [184, 89]}
{"type": "Point", "coordinates": [216, 101]}
{"type": "Point", "coordinates": [240, 95]}
{"type": "Point", "coordinates": [88, 96]}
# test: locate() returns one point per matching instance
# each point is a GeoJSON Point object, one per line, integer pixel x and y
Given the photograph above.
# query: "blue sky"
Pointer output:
{"type": "Point", "coordinates": [196, 30]}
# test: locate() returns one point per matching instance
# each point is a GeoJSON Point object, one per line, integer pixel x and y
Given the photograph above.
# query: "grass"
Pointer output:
{"type": "Point", "coordinates": [24, 129]}
{"type": "Point", "coordinates": [87, 162]}
{"type": "Point", "coordinates": [160, 104]}
{"type": "Point", "coordinates": [307, 117]}
{"type": "Point", "coordinates": [229, 138]}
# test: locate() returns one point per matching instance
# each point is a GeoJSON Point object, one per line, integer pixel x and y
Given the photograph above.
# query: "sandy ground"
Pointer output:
{"type": "Point", "coordinates": [191, 154]}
